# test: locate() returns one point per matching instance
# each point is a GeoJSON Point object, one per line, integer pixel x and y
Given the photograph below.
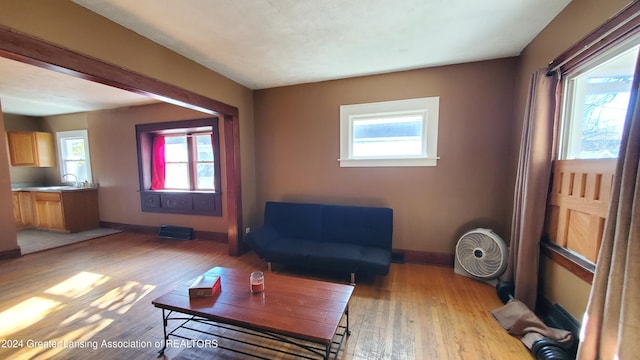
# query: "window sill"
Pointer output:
{"type": "Point", "coordinates": [391, 162]}
{"type": "Point", "coordinates": [580, 267]}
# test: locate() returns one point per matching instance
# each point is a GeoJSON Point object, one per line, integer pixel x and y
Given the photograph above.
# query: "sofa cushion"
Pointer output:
{"type": "Point", "coordinates": [335, 256]}
{"type": "Point", "coordinates": [290, 250]}
{"type": "Point", "coordinates": [260, 238]}
{"type": "Point", "coordinates": [374, 260]}
{"type": "Point", "coordinates": [366, 226]}
{"type": "Point", "coordinates": [293, 220]}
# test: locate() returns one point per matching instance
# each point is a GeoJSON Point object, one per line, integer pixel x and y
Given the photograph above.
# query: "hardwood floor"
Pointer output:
{"type": "Point", "coordinates": [92, 300]}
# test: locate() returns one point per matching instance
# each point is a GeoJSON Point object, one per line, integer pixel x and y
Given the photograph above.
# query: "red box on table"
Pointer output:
{"type": "Point", "coordinates": [205, 286]}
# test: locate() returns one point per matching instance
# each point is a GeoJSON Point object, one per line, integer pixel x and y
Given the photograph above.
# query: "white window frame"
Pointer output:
{"type": "Point", "coordinates": [73, 134]}
{"type": "Point", "coordinates": [427, 108]}
{"type": "Point", "coordinates": [569, 132]}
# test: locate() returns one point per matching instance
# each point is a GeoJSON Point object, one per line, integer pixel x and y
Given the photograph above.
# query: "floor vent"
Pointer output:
{"type": "Point", "coordinates": [175, 232]}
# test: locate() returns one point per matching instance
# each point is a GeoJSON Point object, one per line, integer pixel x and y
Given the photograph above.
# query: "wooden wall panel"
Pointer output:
{"type": "Point", "coordinates": [584, 234]}
{"type": "Point", "coordinates": [578, 204]}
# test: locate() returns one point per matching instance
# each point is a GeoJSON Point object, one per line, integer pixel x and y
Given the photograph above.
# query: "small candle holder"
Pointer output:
{"type": "Point", "coordinates": [256, 282]}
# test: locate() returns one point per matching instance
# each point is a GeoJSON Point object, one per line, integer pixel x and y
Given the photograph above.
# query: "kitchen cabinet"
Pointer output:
{"type": "Point", "coordinates": [63, 210]}
{"type": "Point", "coordinates": [31, 148]}
{"type": "Point", "coordinates": [25, 199]}
{"type": "Point", "coordinates": [22, 209]}
{"type": "Point", "coordinates": [16, 207]}
{"type": "Point", "coordinates": [49, 210]}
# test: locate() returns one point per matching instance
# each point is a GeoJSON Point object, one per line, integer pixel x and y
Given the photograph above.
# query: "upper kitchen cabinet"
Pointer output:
{"type": "Point", "coordinates": [31, 148]}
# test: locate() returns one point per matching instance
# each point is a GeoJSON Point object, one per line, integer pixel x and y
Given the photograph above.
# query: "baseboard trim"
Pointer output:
{"type": "Point", "coordinates": [145, 229]}
{"type": "Point", "coordinates": [557, 316]}
{"type": "Point", "coordinates": [425, 257]}
{"type": "Point", "coordinates": [10, 254]}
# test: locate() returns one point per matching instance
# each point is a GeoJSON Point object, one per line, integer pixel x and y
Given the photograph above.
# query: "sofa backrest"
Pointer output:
{"type": "Point", "coordinates": [295, 220]}
{"type": "Point", "coordinates": [360, 225]}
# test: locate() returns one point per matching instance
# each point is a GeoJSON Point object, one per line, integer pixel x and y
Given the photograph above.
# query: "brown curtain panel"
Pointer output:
{"type": "Point", "coordinates": [611, 326]}
{"type": "Point", "coordinates": [532, 185]}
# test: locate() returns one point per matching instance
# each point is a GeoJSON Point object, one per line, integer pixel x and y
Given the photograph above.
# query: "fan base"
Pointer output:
{"type": "Point", "coordinates": [458, 269]}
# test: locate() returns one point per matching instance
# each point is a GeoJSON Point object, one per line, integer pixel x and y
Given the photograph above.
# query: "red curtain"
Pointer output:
{"type": "Point", "coordinates": [157, 163]}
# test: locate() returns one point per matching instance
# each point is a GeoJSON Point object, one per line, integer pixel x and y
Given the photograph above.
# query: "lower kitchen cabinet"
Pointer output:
{"type": "Point", "coordinates": [15, 199]}
{"type": "Point", "coordinates": [49, 210]}
{"type": "Point", "coordinates": [67, 211]}
{"type": "Point", "coordinates": [23, 209]}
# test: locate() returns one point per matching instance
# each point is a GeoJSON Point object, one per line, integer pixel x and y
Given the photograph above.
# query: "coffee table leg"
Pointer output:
{"type": "Point", "coordinates": [347, 313]}
{"type": "Point", "coordinates": [164, 330]}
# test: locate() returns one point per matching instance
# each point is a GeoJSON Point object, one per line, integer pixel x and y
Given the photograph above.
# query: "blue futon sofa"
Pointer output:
{"type": "Point", "coordinates": [352, 239]}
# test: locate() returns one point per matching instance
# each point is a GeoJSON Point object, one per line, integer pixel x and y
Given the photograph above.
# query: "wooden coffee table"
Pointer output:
{"type": "Point", "coordinates": [301, 312]}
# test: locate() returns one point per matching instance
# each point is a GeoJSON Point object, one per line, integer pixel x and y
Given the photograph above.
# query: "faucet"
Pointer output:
{"type": "Point", "coordinates": [69, 174]}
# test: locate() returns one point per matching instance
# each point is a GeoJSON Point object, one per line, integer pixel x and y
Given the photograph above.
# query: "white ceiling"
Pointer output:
{"type": "Point", "coordinates": [269, 43]}
{"type": "Point", "coordinates": [33, 91]}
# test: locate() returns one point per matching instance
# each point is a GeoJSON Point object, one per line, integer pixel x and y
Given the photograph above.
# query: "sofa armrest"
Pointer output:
{"type": "Point", "coordinates": [260, 239]}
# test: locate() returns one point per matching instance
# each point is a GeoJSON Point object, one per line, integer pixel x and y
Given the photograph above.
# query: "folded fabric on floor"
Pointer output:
{"type": "Point", "coordinates": [520, 321]}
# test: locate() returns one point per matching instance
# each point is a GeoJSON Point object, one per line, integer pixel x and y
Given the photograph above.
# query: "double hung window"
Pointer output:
{"type": "Point", "coordinates": [179, 167]}
{"type": "Point", "coordinates": [74, 157]}
{"type": "Point", "coordinates": [596, 90]}
{"type": "Point", "coordinates": [596, 98]}
{"type": "Point", "coordinates": [189, 162]}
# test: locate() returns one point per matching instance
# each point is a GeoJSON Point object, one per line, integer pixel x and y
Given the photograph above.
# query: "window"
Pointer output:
{"type": "Point", "coordinates": [597, 73]}
{"type": "Point", "coordinates": [179, 167]}
{"type": "Point", "coordinates": [389, 133]}
{"type": "Point", "coordinates": [73, 156]}
{"type": "Point", "coordinates": [596, 100]}
{"type": "Point", "coordinates": [189, 163]}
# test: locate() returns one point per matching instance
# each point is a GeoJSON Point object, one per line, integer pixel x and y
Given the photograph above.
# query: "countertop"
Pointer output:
{"type": "Point", "coordinates": [54, 188]}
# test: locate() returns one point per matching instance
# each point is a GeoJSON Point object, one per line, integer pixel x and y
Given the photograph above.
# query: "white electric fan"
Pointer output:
{"type": "Point", "coordinates": [482, 255]}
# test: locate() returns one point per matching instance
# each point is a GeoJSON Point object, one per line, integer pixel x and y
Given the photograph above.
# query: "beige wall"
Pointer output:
{"type": "Point", "coordinates": [578, 19]}
{"type": "Point", "coordinates": [8, 234]}
{"type": "Point", "coordinates": [66, 24]}
{"type": "Point", "coordinates": [114, 162]}
{"type": "Point", "coordinates": [297, 149]}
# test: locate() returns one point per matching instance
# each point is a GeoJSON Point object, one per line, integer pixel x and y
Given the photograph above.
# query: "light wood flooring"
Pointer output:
{"type": "Point", "coordinates": [92, 300]}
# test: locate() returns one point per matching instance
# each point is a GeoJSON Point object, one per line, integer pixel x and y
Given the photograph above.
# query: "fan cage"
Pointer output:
{"type": "Point", "coordinates": [482, 253]}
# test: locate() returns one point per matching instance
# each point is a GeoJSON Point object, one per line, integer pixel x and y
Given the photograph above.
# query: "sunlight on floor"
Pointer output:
{"type": "Point", "coordinates": [121, 299]}
{"type": "Point", "coordinates": [78, 285]}
{"type": "Point", "coordinates": [26, 314]}
{"type": "Point", "coordinates": [110, 302]}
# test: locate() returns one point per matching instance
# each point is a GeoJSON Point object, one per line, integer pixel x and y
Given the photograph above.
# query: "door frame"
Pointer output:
{"type": "Point", "coordinates": [40, 53]}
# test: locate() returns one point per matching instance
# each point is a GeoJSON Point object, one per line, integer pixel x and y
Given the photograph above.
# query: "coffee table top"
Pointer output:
{"type": "Point", "coordinates": [303, 308]}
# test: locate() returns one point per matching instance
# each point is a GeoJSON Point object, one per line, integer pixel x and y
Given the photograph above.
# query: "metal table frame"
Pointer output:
{"type": "Point", "coordinates": [313, 349]}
